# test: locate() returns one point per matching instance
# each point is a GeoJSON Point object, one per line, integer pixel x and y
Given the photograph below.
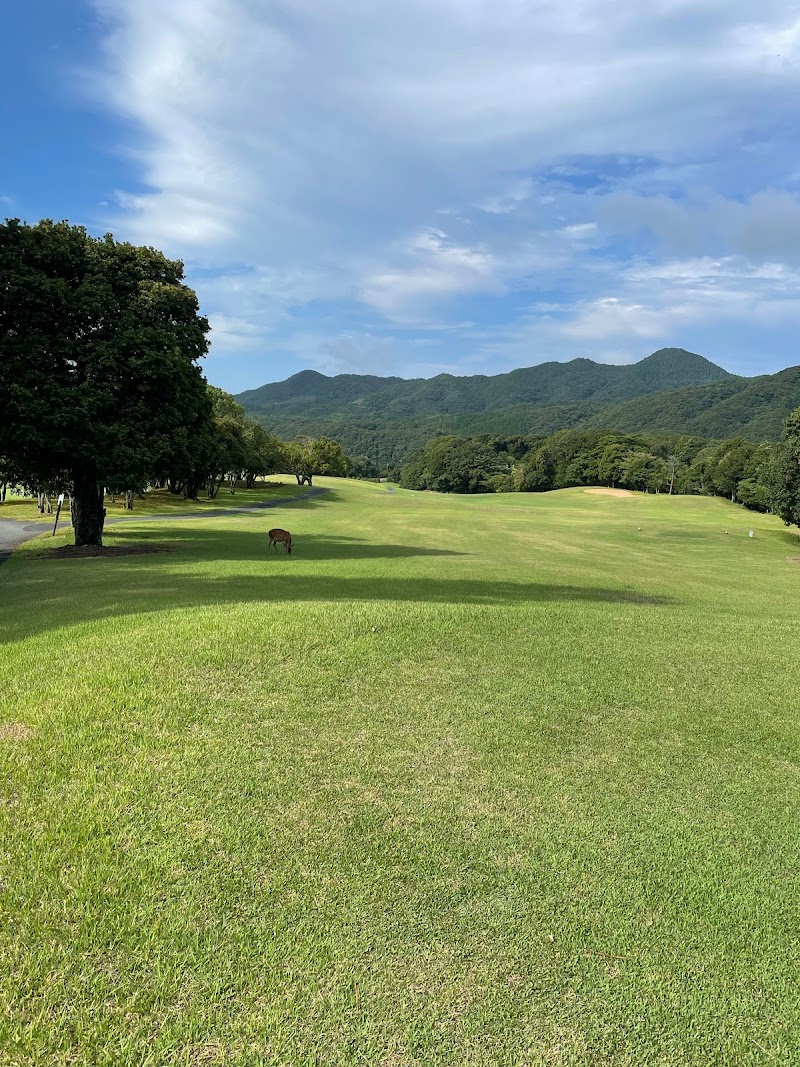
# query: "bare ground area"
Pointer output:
{"type": "Point", "coordinates": [601, 490]}
{"type": "Point", "coordinates": [15, 731]}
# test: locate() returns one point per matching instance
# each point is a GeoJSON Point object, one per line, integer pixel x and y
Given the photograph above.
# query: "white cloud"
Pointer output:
{"type": "Point", "coordinates": [765, 226]}
{"type": "Point", "coordinates": [362, 353]}
{"type": "Point", "coordinates": [430, 267]}
{"type": "Point", "coordinates": [509, 200]}
{"type": "Point", "coordinates": [302, 152]}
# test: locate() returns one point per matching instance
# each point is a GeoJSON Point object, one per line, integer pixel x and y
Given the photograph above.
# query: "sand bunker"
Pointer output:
{"type": "Point", "coordinates": [601, 490]}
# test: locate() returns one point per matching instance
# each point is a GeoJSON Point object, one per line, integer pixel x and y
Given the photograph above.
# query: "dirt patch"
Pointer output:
{"type": "Point", "coordinates": [793, 559]}
{"type": "Point", "coordinates": [15, 731]}
{"type": "Point", "coordinates": [601, 490]}
{"type": "Point", "coordinates": [104, 551]}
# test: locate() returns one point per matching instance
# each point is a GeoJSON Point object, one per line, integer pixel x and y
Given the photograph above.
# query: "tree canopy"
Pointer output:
{"type": "Point", "coordinates": [99, 375]}
{"type": "Point", "coordinates": [306, 457]}
{"type": "Point", "coordinates": [786, 472]}
{"type": "Point", "coordinates": [648, 463]}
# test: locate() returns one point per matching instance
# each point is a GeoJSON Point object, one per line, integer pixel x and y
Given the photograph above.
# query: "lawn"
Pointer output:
{"type": "Point", "coordinates": [462, 781]}
{"type": "Point", "coordinates": [157, 502]}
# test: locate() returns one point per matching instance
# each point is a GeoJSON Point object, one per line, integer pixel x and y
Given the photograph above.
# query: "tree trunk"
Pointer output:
{"type": "Point", "coordinates": [88, 513]}
{"type": "Point", "coordinates": [129, 500]}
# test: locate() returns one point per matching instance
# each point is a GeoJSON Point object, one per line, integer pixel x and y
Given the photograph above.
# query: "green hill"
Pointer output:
{"type": "Point", "coordinates": [548, 383]}
{"type": "Point", "coordinates": [311, 390]}
{"type": "Point", "coordinates": [671, 390]}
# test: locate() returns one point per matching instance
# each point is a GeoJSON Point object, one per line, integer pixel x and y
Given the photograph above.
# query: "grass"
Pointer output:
{"type": "Point", "coordinates": [157, 502]}
{"type": "Point", "coordinates": [502, 780]}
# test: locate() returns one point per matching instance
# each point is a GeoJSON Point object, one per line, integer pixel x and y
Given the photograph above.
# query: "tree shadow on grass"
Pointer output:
{"type": "Point", "coordinates": [44, 595]}
{"type": "Point", "coordinates": [227, 544]}
{"type": "Point", "coordinates": [229, 506]}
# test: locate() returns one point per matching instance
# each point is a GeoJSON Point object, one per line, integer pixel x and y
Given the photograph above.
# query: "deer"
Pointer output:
{"type": "Point", "coordinates": [284, 537]}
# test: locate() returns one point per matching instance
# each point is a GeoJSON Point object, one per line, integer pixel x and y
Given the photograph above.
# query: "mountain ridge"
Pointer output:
{"type": "Point", "coordinates": [379, 417]}
{"type": "Point", "coordinates": [448, 394]}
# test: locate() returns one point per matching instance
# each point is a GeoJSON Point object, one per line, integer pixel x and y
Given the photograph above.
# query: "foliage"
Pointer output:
{"type": "Point", "coordinates": [306, 457]}
{"type": "Point", "coordinates": [99, 375]}
{"type": "Point", "coordinates": [224, 405]}
{"type": "Point", "coordinates": [672, 463]}
{"type": "Point", "coordinates": [459, 465]}
{"type": "Point", "coordinates": [785, 481]}
{"type": "Point", "coordinates": [311, 393]}
{"type": "Point", "coordinates": [362, 467]}
{"type": "Point", "coordinates": [533, 401]}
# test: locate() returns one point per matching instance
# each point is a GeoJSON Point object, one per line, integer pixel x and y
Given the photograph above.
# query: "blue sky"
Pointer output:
{"type": "Point", "coordinates": [416, 186]}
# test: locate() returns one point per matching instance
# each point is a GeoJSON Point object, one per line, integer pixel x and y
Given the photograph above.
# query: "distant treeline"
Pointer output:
{"type": "Point", "coordinates": [486, 463]}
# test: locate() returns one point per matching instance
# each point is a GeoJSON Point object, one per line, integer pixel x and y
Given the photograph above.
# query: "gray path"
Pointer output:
{"type": "Point", "coordinates": [13, 532]}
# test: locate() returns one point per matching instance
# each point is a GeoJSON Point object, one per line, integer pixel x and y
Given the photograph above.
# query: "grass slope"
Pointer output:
{"type": "Point", "coordinates": [503, 780]}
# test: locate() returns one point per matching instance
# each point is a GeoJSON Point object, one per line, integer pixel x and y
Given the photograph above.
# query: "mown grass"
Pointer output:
{"type": "Point", "coordinates": [157, 502]}
{"type": "Point", "coordinates": [503, 780]}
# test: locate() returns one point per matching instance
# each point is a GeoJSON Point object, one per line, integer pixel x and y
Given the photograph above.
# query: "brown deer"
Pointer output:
{"type": "Point", "coordinates": [284, 537]}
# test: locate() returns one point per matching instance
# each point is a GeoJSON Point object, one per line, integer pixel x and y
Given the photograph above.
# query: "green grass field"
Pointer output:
{"type": "Point", "coordinates": [157, 502]}
{"type": "Point", "coordinates": [463, 781]}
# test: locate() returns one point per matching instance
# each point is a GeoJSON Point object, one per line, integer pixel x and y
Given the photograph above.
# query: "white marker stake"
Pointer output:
{"type": "Point", "coordinates": [58, 511]}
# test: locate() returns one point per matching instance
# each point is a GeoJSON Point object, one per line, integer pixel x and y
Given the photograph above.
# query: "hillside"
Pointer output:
{"type": "Point", "coordinates": [751, 407]}
{"type": "Point", "coordinates": [310, 392]}
{"type": "Point", "coordinates": [388, 418]}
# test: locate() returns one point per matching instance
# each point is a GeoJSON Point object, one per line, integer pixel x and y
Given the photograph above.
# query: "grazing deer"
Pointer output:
{"type": "Point", "coordinates": [281, 535]}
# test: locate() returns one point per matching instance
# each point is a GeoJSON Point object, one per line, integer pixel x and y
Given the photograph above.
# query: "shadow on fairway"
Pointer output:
{"type": "Point", "coordinates": [89, 590]}
{"type": "Point", "coordinates": [227, 544]}
{"type": "Point", "coordinates": [225, 507]}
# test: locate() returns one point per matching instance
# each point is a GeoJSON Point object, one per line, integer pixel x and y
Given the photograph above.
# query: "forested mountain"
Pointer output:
{"type": "Point", "coordinates": [546, 384]}
{"type": "Point", "coordinates": [389, 418]}
{"type": "Point", "coordinates": [747, 407]}
{"type": "Point", "coordinates": [311, 391]}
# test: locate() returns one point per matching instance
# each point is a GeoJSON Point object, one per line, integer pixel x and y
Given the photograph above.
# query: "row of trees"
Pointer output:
{"type": "Point", "coordinates": [763, 477]}
{"type": "Point", "coordinates": [235, 447]}
{"type": "Point", "coordinates": [230, 448]}
{"type": "Point", "coordinates": [100, 380]}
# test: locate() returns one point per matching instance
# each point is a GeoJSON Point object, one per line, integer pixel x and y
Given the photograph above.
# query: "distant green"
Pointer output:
{"type": "Point", "coordinates": [465, 780]}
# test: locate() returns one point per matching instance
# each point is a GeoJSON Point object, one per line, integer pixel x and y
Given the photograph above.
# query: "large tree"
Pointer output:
{"type": "Point", "coordinates": [785, 473]}
{"type": "Point", "coordinates": [306, 457]}
{"type": "Point", "coordinates": [99, 373]}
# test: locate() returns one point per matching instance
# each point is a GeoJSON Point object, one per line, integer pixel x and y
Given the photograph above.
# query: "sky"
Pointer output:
{"type": "Point", "coordinates": [413, 187]}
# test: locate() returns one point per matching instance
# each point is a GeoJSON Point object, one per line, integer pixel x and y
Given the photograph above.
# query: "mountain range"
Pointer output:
{"type": "Point", "coordinates": [671, 391]}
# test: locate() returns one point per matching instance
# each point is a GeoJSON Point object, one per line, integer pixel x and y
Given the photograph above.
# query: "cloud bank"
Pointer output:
{"type": "Point", "coordinates": [494, 183]}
